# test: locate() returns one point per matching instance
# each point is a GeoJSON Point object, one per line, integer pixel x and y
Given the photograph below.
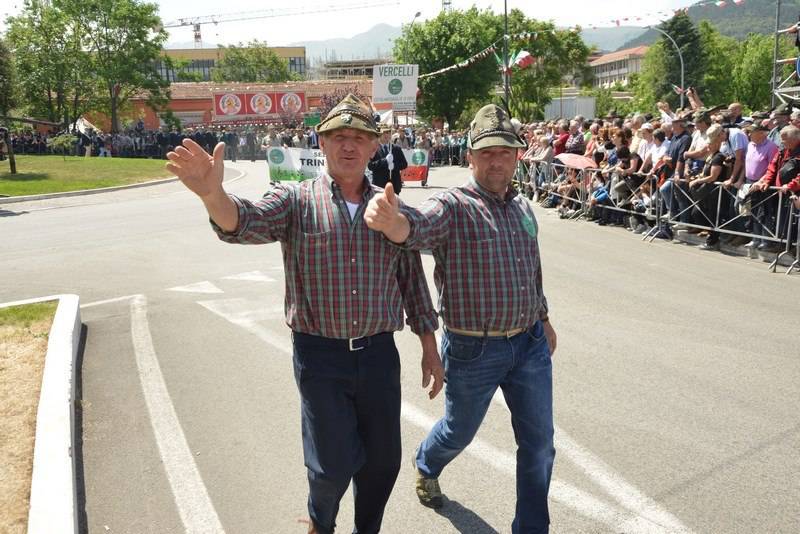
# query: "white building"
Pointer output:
{"type": "Point", "coordinates": [618, 66]}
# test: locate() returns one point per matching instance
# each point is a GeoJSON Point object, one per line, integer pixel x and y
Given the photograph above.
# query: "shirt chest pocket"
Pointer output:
{"type": "Point", "coordinates": [313, 253]}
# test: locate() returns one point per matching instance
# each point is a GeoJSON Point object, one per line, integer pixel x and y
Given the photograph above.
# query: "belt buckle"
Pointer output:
{"type": "Point", "coordinates": [352, 348]}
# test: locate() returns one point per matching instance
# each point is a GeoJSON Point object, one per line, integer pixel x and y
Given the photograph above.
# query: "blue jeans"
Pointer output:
{"type": "Point", "coordinates": [474, 369]}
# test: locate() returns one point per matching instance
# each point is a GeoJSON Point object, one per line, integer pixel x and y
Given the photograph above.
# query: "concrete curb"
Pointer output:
{"type": "Point", "coordinates": [54, 497]}
{"type": "Point", "coordinates": [83, 192]}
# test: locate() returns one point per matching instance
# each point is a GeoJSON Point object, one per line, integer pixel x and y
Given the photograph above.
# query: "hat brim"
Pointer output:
{"type": "Point", "coordinates": [499, 139]}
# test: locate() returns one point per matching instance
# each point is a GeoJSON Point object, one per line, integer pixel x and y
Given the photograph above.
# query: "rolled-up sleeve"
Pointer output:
{"type": "Point", "coordinates": [264, 221]}
{"type": "Point", "coordinates": [420, 314]}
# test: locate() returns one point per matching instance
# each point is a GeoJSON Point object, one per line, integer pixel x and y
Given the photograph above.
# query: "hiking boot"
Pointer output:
{"type": "Point", "coordinates": [428, 491]}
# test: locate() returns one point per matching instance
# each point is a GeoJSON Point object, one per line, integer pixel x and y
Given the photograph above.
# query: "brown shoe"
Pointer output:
{"type": "Point", "coordinates": [311, 528]}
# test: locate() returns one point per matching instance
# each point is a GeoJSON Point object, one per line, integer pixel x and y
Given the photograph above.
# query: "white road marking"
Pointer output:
{"type": "Point", "coordinates": [199, 287]}
{"type": "Point", "coordinates": [191, 497]}
{"type": "Point", "coordinates": [252, 276]}
{"type": "Point", "coordinates": [640, 516]}
{"type": "Point", "coordinates": [646, 511]}
{"type": "Point", "coordinates": [240, 311]}
{"type": "Point", "coordinates": [107, 301]}
{"type": "Point", "coordinates": [561, 492]}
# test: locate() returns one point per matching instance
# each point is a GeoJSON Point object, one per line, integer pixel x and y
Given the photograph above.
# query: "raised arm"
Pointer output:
{"type": "Point", "coordinates": [202, 175]}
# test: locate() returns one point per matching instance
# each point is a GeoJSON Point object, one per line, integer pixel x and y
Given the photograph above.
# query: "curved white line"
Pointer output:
{"type": "Point", "coordinates": [191, 497]}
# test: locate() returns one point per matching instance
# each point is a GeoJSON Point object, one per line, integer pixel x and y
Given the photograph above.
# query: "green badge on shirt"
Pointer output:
{"type": "Point", "coordinates": [530, 226]}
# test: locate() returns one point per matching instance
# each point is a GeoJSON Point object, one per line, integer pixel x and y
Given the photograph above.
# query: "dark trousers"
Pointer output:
{"type": "Point", "coordinates": [350, 408]}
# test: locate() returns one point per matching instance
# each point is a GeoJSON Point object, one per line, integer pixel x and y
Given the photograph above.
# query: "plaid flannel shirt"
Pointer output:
{"type": "Point", "coordinates": [488, 269]}
{"type": "Point", "coordinates": [343, 280]}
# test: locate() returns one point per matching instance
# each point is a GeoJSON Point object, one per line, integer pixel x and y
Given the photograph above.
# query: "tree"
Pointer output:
{"type": "Point", "coordinates": [753, 70]}
{"type": "Point", "coordinates": [559, 53]}
{"type": "Point", "coordinates": [253, 62]}
{"type": "Point", "coordinates": [661, 68]}
{"type": "Point", "coordinates": [51, 65]}
{"type": "Point", "coordinates": [720, 55]}
{"type": "Point", "coordinates": [179, 68]}
{"type": "Point", "coordinates": [124, 40]}
{"type": "Point", "coordinates": [450, 38]}
{"type": "Point", "coordinates": [328, 101]}
{"type": "Point", "coordinates": [6, 79]}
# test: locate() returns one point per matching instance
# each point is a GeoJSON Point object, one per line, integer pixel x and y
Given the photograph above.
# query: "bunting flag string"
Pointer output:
{"type": "Point", "coordinates": [664, 15]}
{"type": "Point", "coordinates": [486, 52]}
{"type": "Point", "coordinates": [514, 59]}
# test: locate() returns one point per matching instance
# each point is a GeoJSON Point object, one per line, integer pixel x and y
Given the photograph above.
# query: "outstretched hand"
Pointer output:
{"type": "Point", "coordinates": [200, 173]}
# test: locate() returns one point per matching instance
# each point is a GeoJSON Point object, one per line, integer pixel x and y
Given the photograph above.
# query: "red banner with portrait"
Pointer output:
{"type": "Point", "coordinates": [258, 105]}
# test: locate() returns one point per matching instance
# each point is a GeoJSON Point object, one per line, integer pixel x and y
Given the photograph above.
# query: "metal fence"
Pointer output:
{"type": "Point", "coordinates": [761, 216]}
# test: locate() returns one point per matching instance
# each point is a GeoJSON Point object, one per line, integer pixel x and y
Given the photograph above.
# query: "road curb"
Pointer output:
{"type": "Point", "coordinates": [54, 498]}
{"type": "Point", "coordinates": [83, 192]}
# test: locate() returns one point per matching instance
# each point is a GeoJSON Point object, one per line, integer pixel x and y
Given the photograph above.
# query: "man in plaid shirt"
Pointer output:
{"type": "Point", "coordinates": [497, 332]}
{"type": "Point", "coordinates": [346, 289]}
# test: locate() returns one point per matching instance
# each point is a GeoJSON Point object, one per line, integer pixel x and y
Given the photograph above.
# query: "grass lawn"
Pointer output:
{"type": "Point", "coordinates": [23, 345]}
{"type": "Point", "coordinates": [38, 175]}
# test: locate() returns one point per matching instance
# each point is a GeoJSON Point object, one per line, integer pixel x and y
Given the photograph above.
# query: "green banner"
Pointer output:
{"type": "Point", "coordinates": [311, 119]}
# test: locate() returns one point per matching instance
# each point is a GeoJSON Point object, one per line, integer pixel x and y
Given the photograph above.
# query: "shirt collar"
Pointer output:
{"type": "Point", "coordinates": [331, 185]}
{"type": "Point", "coordinates": [473, 185]}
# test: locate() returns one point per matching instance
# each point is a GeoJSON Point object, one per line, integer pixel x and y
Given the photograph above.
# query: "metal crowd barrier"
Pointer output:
{"type": "Point", "coordinates": [532, 178]}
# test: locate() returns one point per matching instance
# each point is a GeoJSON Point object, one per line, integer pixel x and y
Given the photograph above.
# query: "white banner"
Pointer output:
{"type": "Point", "coordinates": [298, 164]}
{"type": "Point", "coordinates": [395, 85]}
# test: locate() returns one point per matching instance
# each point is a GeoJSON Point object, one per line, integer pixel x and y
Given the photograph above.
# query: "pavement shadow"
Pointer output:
{"type": "Point", "coordinates": [9, 213]}
{"type": "Point", "coordinates": [463, 519]}
{"type": "Point", "coordinates": [25, 176]}
{"type": "Point", "coordinates": [80, 479]}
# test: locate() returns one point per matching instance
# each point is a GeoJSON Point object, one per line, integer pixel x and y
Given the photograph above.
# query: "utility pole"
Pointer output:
{"type": "Point", "coordinates": [775, 51]}
{"type": "Point", "coordinates": [506, 73]}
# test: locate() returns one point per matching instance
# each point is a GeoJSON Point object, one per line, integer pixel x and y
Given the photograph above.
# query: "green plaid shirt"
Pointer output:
{"type": "Point", "coordinates": [343, 280]}
{"type": "Point", "coordinates": [488, 269]}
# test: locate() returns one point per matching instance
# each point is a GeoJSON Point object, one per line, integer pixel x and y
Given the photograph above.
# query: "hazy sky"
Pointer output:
{"type": "Point", "coordinates": [317, 26]}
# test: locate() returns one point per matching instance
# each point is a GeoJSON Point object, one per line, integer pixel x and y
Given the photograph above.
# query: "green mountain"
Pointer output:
{"type": "Point", "coordinates": [609, 39]}
{"type": "Point", "coordinates": [752, 16]}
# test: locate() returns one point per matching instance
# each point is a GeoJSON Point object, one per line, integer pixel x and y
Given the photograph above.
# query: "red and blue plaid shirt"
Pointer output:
{"type": "Point", "coordinates": [488, 269]}
{"type": "Point", "coordinates": [343, 280]}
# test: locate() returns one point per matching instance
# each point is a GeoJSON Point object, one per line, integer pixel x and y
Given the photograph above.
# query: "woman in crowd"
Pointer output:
{"type": "Point", "coordinates": [702, 186]}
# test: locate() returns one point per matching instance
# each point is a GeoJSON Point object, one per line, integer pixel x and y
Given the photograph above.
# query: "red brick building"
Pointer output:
{"type": "Point", "coordinates": [193, 102]}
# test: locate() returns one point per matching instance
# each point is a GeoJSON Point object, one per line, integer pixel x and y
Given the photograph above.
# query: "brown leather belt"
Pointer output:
{"type": "Point", "coordinates": [489, 333]}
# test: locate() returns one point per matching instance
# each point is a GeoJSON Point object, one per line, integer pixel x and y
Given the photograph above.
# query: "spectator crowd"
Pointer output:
{"type": "Point", "coordinates": [716, 172]}
{"type": "Point", "coordinates": [444, 147]}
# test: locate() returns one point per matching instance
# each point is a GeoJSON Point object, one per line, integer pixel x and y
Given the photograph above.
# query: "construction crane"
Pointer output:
{"type": "Point", "coordinates": [197, 22]}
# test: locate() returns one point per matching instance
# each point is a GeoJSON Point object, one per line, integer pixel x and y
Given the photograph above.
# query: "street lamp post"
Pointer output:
{"type": "Point", "coordinates": [506, 75]}
{"type": "Point", "coordinates": [680, 57]}
{"type": "Point", "coordinates": [416, 16]}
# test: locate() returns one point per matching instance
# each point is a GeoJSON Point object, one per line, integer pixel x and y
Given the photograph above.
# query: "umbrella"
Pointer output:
{"type": "Point", "coordinates": [576, 161]}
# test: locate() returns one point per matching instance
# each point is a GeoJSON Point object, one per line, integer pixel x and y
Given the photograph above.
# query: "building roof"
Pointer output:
{"type": "Point", "coordinates": [315, 88]}
{"type": "Point", "coordinates": [638, 51]}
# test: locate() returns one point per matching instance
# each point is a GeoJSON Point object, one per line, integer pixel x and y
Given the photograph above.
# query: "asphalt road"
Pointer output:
{"type": "Point", "coordinates": [676, 379]}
